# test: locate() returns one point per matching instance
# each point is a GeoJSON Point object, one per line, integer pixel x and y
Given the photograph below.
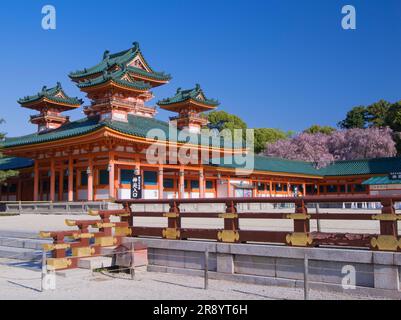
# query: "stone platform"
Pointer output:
{"type": "Point", "coordinates": [376, 273]}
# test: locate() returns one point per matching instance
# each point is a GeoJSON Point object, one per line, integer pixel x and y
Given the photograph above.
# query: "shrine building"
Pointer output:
{"type": "Point", "coordinates": [95, 158]}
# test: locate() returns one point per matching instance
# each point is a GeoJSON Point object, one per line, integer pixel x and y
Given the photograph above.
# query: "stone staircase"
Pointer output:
{"type": "Point", "coordinates": [21, 246]}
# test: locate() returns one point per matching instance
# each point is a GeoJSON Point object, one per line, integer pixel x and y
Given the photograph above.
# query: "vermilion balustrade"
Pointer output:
{"type": "Point", "coordinates": [69, 246]}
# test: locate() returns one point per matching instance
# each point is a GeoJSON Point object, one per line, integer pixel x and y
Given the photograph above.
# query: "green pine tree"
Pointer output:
{"type": "Point", "coordinates": [4, 174]}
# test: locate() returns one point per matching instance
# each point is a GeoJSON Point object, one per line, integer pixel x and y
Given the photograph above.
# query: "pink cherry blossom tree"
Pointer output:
{"type": "Point", "coordinates": [362, 144]}
{"type": "Point", "coordinates": [322, 149]}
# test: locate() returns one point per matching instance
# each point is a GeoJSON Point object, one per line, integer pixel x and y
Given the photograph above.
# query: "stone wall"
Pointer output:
{"type": "Point", "coordinates": [278, 265]}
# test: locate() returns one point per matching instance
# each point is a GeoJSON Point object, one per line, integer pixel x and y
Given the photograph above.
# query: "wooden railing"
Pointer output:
{"type": "Point", "coordinates": [301, 236]}
{"type": "Point", "coordinates": [69, 247]}
{"type": "Point", "coordinates": [90, 236]}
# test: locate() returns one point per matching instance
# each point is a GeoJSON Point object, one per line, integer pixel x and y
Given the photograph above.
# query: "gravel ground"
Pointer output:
{"type": "Point", "coordinates": [22, 283]}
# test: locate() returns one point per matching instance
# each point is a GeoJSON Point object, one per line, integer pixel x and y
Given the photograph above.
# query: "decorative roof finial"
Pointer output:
{"type": "Point", "coordinates": [197, 87]}
{"type": "Point", "coordinates": [44, 88]}
{"type": "Point", "coordinates": [135, 45]}
{"type": "Point", "coordinates": [106, 55]}
{"type": "Point", "coordinates": [58, 85]}
{"type": "Point", "coordinates": [179, 90]}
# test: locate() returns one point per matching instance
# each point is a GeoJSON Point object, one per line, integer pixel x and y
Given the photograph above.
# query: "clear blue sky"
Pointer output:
{"type": "Point", "coordinates": [276, 63]}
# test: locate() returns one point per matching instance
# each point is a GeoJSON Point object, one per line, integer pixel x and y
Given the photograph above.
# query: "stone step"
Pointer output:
{"type": "Point", "coordinates": [19, 234]}
{"type": "Point", "coordinates": [95, 263]}
{"type": "Point", "coordinates": [20, 253]}
{"type": "Point", "coordinates": [35, 244]}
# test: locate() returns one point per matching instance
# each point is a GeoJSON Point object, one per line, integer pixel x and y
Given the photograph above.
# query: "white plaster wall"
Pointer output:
{"type": "Point", "coordinates": [385, 192]}
{"type": "Point", "coordinates": [150, 194]}
{"type": "Point", "coordinates": [102, 194]}
{"type": "Point", "coordinates": [124, 193]}
{"type": "Point", "coordinates": [169, 195]}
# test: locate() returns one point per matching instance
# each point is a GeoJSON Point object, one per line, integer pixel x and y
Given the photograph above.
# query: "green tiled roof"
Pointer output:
{"type": "Point", "coordinates": [338, 168]}
{"type": "Point", "coordinates": [136, 126]}
{"type": "Point", "coordinates": [15, 163]}
{"type": "Point", "coordinates": [121, 58]}
{"type": "Point", "coordinates": [116, 77]}
{"type": "Point", "coordinates": [185, 95]}
{"type": "Point", "coordinates": [381, 180]}
{"type": "Point", "coordinates": [140, 126]}
{"type": "Point", "coordinates": [152, 75]}
{"type": "Point", "coordinates": [68, 130]}
{"type": "Point", "coordinates": [364, 166]}
{"type": "Point", "coordinates": [51, 94]}
{"type": "Point", "coordinates": [270, 164]}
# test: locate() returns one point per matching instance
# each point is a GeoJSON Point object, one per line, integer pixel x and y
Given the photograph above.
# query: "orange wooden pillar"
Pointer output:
{"type": "Point", "coordinates": [201, 184]}
{"type": "Point", "coordinates": [52, 180]}
{"type": "Point", "coordinates": [255, 190]}
{"type": "Point", "coordinates": [181, 184]}
{"type": "Point", "coordinates": [160, 183]}
{"type": "Point", "coordinates": [36, 181]}
{"type": "Point", "coordinates": [229, 194]}
{"type": "Point", "coordinates": [90, 180]}
{"type": "Point", "coordinates": [111, 169]}
{"type": "Point", "coordinates": [70, 179]}
{"type": "Point", "coordinates": [61, 184]}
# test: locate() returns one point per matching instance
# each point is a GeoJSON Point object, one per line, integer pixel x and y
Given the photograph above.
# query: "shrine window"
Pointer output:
{"type": "Point", "coordinates": [126, 176]}
{"type": "Point", "coordinates": [209, 184]}
{"type": "Point", "coordinates": [65, 183]}
{"type": "Point", "coordinates": [168, 183]}
{"type": "Point", "coordinates": [13, 188]}
{"type": "Point", "coordinates": [194, 184]}
{"type": "Point", "coordinates": [103, 177]}
{"type": "Point", "coordinates": [332, 188]}
{"type": "Point", "coordinates": [360, 188]}
{"type": "Point", "coordinates": [150, 178]}
{"type": "Point", "coordinates": [84, 178]}
{"type": "Point", "coordinates": [310, 189]}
